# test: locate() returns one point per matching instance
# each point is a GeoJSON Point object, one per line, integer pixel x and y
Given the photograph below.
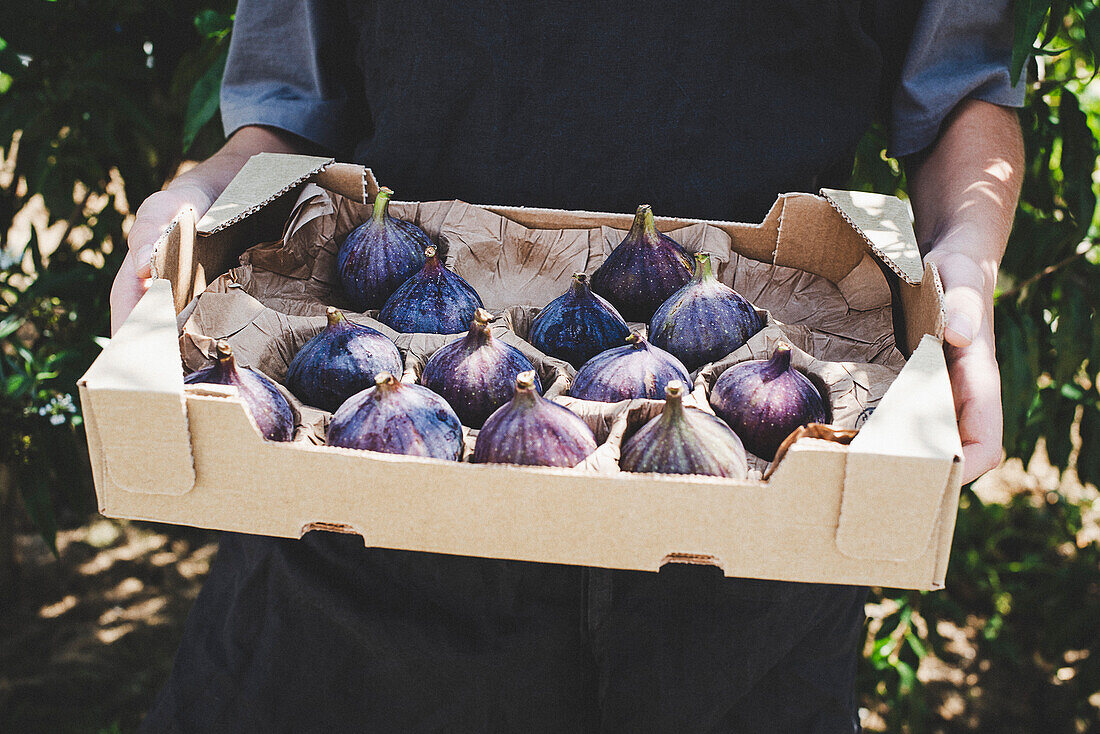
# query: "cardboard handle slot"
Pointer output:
{"type": "Point", "coordinates": [900, 464]}
{"type": "Point", "coordinates": [694, 559]}
{"type": "Point", "coordinates": [135, 387]}
{"type": "Point", "coordinates": [331, 527]}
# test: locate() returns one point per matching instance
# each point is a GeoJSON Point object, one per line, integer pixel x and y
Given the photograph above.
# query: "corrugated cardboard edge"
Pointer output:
{"type": "Point", "coordinates": [174, 259]}
{"type": "Point", "coordinates": [884, 223]}
{"type": "Point", "coordinates": [263, 178]}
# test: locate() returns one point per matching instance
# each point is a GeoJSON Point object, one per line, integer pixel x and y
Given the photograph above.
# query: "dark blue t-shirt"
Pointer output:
{"type": "Point", "coordinates": [702, 109]}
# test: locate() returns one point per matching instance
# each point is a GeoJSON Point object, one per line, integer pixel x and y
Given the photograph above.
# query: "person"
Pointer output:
{"type": "Point", "coordinates": [705, 110]}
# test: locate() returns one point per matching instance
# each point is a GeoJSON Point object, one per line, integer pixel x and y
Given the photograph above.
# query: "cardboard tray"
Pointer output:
{"type": "Point", "coordinates": [880, 511]}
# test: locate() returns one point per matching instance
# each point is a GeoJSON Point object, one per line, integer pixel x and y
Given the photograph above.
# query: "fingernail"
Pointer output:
{"type": "Point", "coordinates": [961, 324]}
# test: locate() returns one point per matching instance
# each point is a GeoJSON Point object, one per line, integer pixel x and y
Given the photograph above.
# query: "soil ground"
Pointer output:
{"type": "Point", "coordinates": [90, 636]}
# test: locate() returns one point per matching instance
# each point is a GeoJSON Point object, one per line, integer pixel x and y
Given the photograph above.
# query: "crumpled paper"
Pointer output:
{"type": "Point", "coordinates": [275, 301]}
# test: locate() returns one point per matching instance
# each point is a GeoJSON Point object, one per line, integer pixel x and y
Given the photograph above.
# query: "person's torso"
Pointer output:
{"type": "Point", "coordinates": [700, 109]}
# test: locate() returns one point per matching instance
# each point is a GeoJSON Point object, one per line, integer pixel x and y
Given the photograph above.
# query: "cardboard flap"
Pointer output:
{"type": "Point", "coordinates": [900, 464]}
{"type": "Point", "coordinates": [347, 179]}
{"type": "Point", "coordinates": [885, 224]}
{"type": "Point", "coordinates": [174, 259]}
{"type": "Point", "coordinates": [264, 178]}
{"type": "Point", "coordinates": [812, 237]}
{"type": "Point", "coordinates": [135, 391]}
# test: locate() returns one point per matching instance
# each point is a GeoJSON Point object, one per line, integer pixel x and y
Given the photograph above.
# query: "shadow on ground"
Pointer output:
{"type": "Point", "coordinates": [89, 638]}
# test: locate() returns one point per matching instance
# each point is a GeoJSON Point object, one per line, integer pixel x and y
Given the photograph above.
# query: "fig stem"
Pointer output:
{"type": "Point", "coordinates": [479, 333]}
{"type": "Point", "coordinates": [779, 363]}
{"type": "Point", "coordinates": [674, 401]}
{"type": "Point", "coordinates": [381, 204]}
{"type": "Point", "coordinates": [580, 284]}
{"type": "Point", "coordinates": [334, 316]}
{"type": "Point", "coordinates": [429, 252]}
{"type": "Point", "coordinates": [525, 389]}
{"type": "Point", "coordinates": [703, 268]}
{"type": "Point", "coordinates": [223, 350]}
{"type": "Point", "coordinates": [525, 380]}
{"type": "Point", "coordinates": [385, 381]}
{"type": "Point", "coordinates": [226, 363]}
{"type": "Point", "coordinates": [636, 339]}
{"type": "Point", "coordinates": [643, 223]}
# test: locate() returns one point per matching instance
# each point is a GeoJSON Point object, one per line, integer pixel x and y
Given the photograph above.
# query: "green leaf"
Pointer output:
{"type": "Point", "coordinates": [1017, 376]}
{"type": "Point", "coordinates": [1090, 21]}
{"type": "Point", "coordinates": [204, 99]}
{"type": "Point", "coordinates": [1028, 19]}
{"type": "Point", "coordinates": [212, 24]}
{"type": "Point", "coordinates": [34, 250]}
{"type": "Point", "coordinates": [1072, 338]}
{"type": "Point", "coordinates": [1055, 19]}
{"type": "Point", "coordinates": [16, 385]}
{"type": "Point", "coordinates": [34, 486]}
{"type": "Point", "coordinates": [1057, 413]}
{"type": "Point", "coordinates": [1078, 162]}
{"type": "Point", "coordinates": [1094, 354]}
{"type": "Point", "coordinates": [10, 325]}
{"type": "Point", "coordinates": [1088, 459]}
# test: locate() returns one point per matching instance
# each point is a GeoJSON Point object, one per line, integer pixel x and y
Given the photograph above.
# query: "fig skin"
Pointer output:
{"type": "Point", "coordinates": [434, 300]}
{"type": "Point", "coordinates": [764, 400]}
{"type": "Point", "coordinates": [269, 408]}
{"type": "Point", "coordinates": [636, 370]}
{"type": "Point", "coordinates": [397, 418]}
{"type": "Point", "coordinates": [577, 325]}
{"type": "Point", "coordinates": [476, 373]}
{"type": "Point", "coordinates": [705, 320]}
{"type": "Point", "coordinates": [340, 361]}
{"type": "Point", "coordinates": [379, 255]}
{"type": "Point", "coordinates": [533, 431]}
{"type": "Point", "coordinates": [684, 441]}
{"type": "Point", "coordinates": [643, 270]}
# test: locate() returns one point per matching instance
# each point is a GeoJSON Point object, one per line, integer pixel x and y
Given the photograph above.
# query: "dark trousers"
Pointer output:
{"type": "Point", "coordinates": [321, 634]}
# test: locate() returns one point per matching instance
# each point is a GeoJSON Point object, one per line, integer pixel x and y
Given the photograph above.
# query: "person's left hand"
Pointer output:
{"type": "Point", "coordinates": [971, 356]}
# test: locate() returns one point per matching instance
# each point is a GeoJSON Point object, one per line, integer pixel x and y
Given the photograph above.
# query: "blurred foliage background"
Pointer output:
{"type": "Point", "coordinates": [101, 102]}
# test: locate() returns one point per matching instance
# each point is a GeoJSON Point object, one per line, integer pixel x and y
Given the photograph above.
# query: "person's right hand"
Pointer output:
{"type": "Point", "coordinates": [154, 217]}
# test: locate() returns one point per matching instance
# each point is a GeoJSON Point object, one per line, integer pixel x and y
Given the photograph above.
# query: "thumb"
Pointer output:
{"type": "Point", "coordinates": [963, 302]}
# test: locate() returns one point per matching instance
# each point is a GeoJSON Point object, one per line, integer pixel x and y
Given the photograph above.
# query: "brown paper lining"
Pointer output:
{"type": "Point", "coordinates": [275, 301]}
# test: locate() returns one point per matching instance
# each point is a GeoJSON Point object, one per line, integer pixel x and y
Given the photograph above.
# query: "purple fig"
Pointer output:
{"type": "Point", "coordinates": [684, 441]}
{"type": "Point", "coordinates": [379, 255]}
{"type": "Point", "coordinates": [705, 320]}
{"type": "Point", "coordinates": [273, 414]}
{"type": "Point", "coordinates": [529, 429]}
{"type": "Point", "coordinates": [476, 373]}
{"type": "Point", "coordinates": [636, 370]}
{"type": "Point", "coordinates": [397, 418]}
{"type": "Point", "coordinates": [643, 270]}
{"type": "Point", "coordinates": [434, 300]}
{"type": "Point", "coordinates": [763, 400]}
{"type": "Point", "coordinates": [339, 362]}
{"type": "Point", "coordinates": [577, 325]}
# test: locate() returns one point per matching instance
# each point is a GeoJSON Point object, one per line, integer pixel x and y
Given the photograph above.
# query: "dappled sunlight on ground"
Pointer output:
{"type": "Point", "coordinates": [90, 639]}
{"type": "Point", "coordinates": [959, 701]}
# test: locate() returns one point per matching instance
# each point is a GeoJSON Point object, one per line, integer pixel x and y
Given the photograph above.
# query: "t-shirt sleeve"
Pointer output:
{"type": "Point", "coordinates": [285, 70]}
{"type": "Point", "coordinates": [960, 49]}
